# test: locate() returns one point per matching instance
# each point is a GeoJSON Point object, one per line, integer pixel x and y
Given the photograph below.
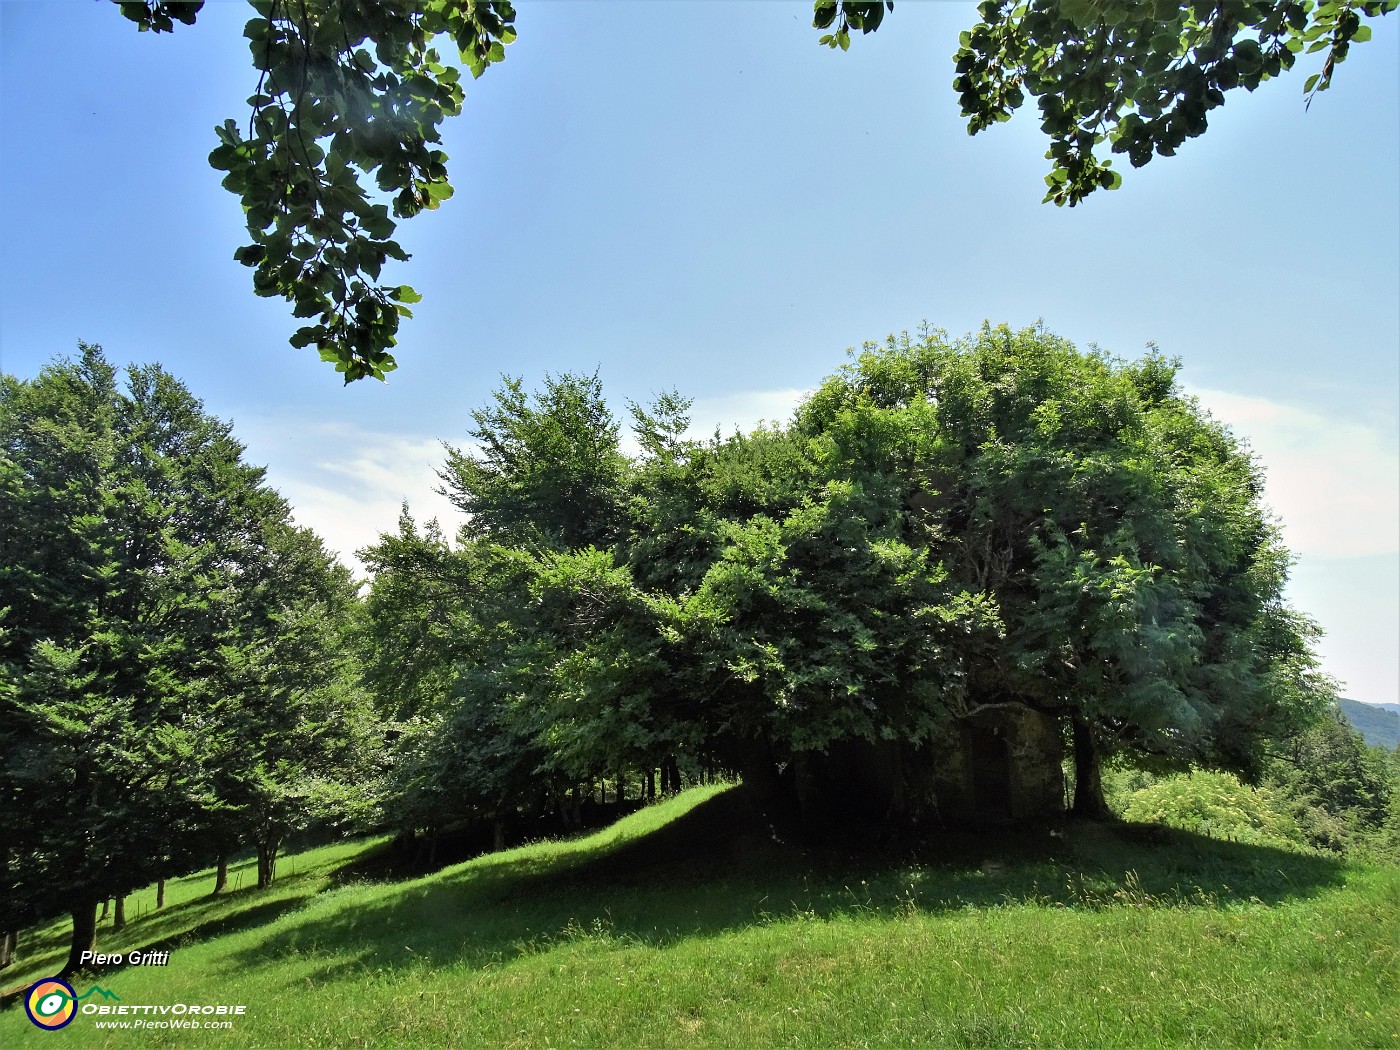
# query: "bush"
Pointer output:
{"type": "Point", "coordinates": [1214, 804]}
{"type": "Point", "coordinates": [1338, 791]}
{"type": "Point", "coordinates": [1123, 777]}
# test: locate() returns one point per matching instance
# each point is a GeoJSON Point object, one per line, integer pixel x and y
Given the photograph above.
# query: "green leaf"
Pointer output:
{"type": "Point", "coordinates": [405, 294]}
{"type": "Point", "coordinates": [227, 132]}
{"type": "Point", "coordinates": [1247, 51]}
{"type": "Point", "coordinates": [223, 158]}
{"type": "Point", "coordinates": [378, 224]}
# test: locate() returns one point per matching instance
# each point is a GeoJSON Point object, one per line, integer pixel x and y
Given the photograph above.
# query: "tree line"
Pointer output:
{"type": "Point", "coordinates": [174, 682]}
{"type": "Point", "coordinates": [944, 528]}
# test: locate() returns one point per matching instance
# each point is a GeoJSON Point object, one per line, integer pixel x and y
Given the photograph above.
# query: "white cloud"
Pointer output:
{"type": "Point", "coordinates": [1335, 483]}
{"type": "Point", "coordinates": [743, 410]}
{"type": "Point", "coordinates": [345, 483]}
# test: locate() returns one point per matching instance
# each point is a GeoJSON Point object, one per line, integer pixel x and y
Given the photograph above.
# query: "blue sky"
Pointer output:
{"type": "Point", "coordinates": [697, 195]}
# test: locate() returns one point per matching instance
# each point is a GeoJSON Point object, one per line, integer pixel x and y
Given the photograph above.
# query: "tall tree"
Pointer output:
{"type": "Point", "coordinates": [440, 636]}
{"type": "Point", "coordinates": [470, 642]}
{"type": "Point", "coordinates": [946, 529]}
{"type": "Point", "coordinates": [1116, 531]}
{"type": "Point", "coordinates": [547, 470]}
{"type": "Point", "coordinates": [140, 560]}
{"type": "Point", "coordinates": [110, 496]}
{"type": "Point", "coordinates": [292, 737]}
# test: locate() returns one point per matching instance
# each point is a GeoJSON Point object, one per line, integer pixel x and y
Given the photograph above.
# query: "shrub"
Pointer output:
{"type": "Point", "coordinates": [1215, 804]}
{"type": "Point", "coordinates": [1337, 790]}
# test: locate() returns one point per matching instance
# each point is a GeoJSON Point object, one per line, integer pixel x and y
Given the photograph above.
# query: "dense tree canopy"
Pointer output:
{"type": "Point", "coordinates": [171, 646]}
{"type": "Point", "coordinates": [347, 90]}
{"type": "Point", "coordinates": [1114, 535]}
{"type": "Point", "coordinates": [946, 528]}
{"type": "Point", "coordinates": [829, 608]}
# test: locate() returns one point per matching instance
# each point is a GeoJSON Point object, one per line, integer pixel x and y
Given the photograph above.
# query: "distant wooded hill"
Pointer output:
{"type": "Point", "coordinates": [1378, 724]}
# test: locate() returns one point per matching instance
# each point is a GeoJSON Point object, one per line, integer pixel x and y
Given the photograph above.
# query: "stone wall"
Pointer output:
{"type": "Point", "coordinates": [999, 766]}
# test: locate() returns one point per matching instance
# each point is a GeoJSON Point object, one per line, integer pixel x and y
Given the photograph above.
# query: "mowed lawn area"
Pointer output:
{"type": "Point", "coordinates": [692, 923]}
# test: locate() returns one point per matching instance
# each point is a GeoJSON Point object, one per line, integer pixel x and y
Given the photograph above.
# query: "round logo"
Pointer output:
{"type": "Point", "coordinates": [51, 1003]}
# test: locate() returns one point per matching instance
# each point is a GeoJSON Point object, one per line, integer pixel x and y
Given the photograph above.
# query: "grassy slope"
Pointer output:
{"type": "Point", "coordinates": [688, 922]}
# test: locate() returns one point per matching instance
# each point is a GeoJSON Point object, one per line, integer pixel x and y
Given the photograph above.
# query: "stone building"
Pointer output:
{"type": "Point", "coordinates": [999, 766]}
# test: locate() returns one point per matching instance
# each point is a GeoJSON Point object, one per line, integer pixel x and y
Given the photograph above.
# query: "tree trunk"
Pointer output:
{"type": "Point", "coordinates": [621, 790]}
{"type": "Point", "coordinates": [651, 784]}
{"type": "Point", "coordinates": [8, 939]}
{"type": "Point", "coordinates": [498, 835]}
{"type": "Point", "coordinates": [221, 872]}
{"type": "Point", "coordinates": [119, 914]}
{"type": "Point", "coordinates": [84, 937]}
{"type": "Point", "coordinates": [267, 862]}
{"type": "Point", "coordinates": [106, 904]}
{"type": "Point", "coordinates": [670, 776]}
{"type": "Point", "coordinates": [160, 893]}
{"type": "Point", "coordinates": [1088, 783]}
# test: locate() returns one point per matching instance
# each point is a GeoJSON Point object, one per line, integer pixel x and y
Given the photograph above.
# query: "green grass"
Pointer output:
{"type": "Point", "coordinates": [190, 913]}
{"type": "Point", "coordinates": [688, 923]}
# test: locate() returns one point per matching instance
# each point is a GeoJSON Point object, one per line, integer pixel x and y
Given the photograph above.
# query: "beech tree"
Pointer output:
{"type": "Point", "coordinates": [1115, 535]}
{"type": "Point", "coordinates": [946, 528]}
{"type": "Point", "coordinates": [438, 634]}
{"type": "Point", "coordinates": [292, 736]}
{"type": "Point", "coordinates": [476, 646]}
{"type": "Point", "coordinates": [547, 470]}
{"type": "Point", "coordinates": [1139, 76]}
{"type": "Point", "coordinates": [345, 91]}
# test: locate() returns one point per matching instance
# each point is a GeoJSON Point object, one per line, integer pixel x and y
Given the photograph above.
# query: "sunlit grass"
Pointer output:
{"type": "Point", "coordinates": [190, 911]}
{"type": "Point", "coordinates": [689, 923]}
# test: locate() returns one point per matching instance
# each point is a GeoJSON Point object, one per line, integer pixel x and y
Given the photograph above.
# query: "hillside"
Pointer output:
{"type": "Point", "coordinates": [689, 922]}
{"type": "Point", "coordinates": [1378, 725]}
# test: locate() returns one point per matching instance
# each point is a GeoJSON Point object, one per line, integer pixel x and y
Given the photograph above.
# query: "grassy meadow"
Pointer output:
{"type": "Point", "coordinates": [690, 923]}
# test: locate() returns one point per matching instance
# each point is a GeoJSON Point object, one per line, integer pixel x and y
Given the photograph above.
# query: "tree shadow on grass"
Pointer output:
{"type": "Point", "coordinates": [257, 915]}
{"type": "Point", "coordinates": [722, 867]}
{"type": "Point", "coordinates": [181, 923]}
